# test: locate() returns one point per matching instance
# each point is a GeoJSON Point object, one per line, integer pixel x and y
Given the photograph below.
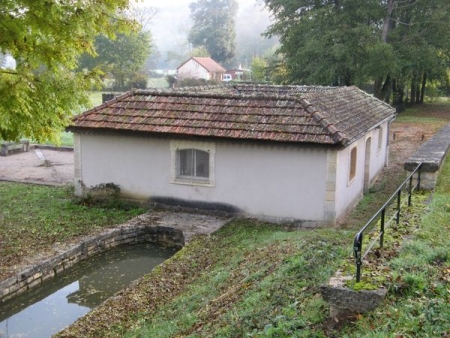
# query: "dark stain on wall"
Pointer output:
{"type": "Point", "coordinates": [210, 206]}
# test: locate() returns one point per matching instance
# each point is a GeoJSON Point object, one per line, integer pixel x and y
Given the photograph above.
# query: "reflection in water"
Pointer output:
{"type": "Point", "coordinates": [45, 317]}
{"type": "Point", "coordinates": [58, 303]}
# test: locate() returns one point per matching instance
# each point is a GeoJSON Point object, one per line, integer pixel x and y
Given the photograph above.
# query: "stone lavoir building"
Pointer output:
{"type": "Point", "coordinates": [280, 153]}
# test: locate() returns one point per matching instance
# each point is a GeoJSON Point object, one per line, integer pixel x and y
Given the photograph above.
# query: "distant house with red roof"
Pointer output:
{"type": "Point", "coordinates": [294, 153]}
{"type": "Point", "coordinates": [235, 74]}
{"type": "Point", "coordinates": [200, 68]}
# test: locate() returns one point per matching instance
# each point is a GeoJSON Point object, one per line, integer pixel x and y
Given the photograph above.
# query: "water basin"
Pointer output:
{"type": "Point", "coordinates": [59, 302]}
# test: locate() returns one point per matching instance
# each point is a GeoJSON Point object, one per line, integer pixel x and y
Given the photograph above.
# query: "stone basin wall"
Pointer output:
{"type": "Point", "coordinates": [432, 155]}
{"type": "Point", "coordinates": [130, 234]}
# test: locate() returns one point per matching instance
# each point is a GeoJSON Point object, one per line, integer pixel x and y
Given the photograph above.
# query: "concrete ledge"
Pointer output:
{"type": "Point", "coordinates": [344, 301]}
{"type": "Point", "coordinates": [7, 147]}
{"type": "Point", "coordinates": [34, 276]}
{"type": "Point", "coordinates": [431, 154]}
{"type": "Point", "coordinates": [51, 147]}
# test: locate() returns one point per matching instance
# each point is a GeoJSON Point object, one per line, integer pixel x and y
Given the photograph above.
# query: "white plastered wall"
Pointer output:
{"type": "Point", "coordinates": [192, 69]}
{"type": "Point", "coordinates": [349, 192]}
{"type": "Point", "coordinates": [285, 182]}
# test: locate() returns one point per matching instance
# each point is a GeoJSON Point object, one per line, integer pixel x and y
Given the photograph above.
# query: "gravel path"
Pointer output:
{"type": "Point", "coordinates": [44, 166]}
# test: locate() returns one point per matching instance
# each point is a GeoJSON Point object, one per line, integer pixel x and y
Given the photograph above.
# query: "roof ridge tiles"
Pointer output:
{"type": "Point", "coordinates": [201, 94]}
{"type": "Point", "coordinates": [337, 134]}
{"type": "Point", "coordinates": [387, 105]}
{"type": "Point", "coordinates": [298, 89]}
{"type": "Point", "coordinates": [205, 87]}
{"type": "Point", "coordinates": [329, 91]}
{"type": "Point", "coordinates": [110, 102]}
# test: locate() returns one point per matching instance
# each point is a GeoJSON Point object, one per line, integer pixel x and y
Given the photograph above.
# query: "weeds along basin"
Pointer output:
{"type": "Point", "coordinates": [57, 303]}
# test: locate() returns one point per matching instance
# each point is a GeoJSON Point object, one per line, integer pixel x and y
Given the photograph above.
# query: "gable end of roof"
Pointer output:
{"type": "Point", "coordinates": [207, 63]}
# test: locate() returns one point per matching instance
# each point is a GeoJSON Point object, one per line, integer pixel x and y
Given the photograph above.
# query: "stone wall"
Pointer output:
{"type": "Point", "coordinates": [432, 155]}
{"type": "Point", "coordinates": [129, 234]}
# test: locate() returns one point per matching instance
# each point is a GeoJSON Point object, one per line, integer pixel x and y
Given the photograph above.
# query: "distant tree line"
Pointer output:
{"type": "Point", "coordinates": [213, 27]}
{"type": "Point", "coordinates": [121, 58]}
{"type": "Point", "coordinates": [398, 46]}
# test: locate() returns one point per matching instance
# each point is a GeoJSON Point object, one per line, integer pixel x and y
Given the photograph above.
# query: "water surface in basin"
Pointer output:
{"type": "Point", "coordinates": [62, 300]}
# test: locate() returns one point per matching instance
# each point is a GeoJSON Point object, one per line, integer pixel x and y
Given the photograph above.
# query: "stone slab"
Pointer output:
{"type": "Point", "coordinates": [432, 153]}
{"type": "Point", "coordinates": [344, 301]}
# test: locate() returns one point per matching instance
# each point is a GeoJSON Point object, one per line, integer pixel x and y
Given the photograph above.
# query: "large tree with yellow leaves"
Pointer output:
{"type": "Point", "coordinates": [46, 37]}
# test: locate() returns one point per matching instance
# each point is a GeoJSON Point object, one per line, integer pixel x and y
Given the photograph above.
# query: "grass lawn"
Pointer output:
{"type": "Point", "coordinates": [418, 302]}
{"type": "Point", "coordinates": [33, 218]}
{"type": "Point", "coordinates": [157, 83]}
{"type": "Point", "coordinates": [65, 138]}
{"type": "Point", "coordinates": [248, 280]}
{"type": "Point", "coordinates": [260, 280]}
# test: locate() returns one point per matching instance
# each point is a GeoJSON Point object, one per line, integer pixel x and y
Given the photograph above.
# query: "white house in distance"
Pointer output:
{"type": "Point", "coordinates": [282, 153]}
{"type": "Point", "coordinates": [200, 68]}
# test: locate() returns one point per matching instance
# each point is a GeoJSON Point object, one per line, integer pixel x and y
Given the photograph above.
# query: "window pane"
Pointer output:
{"type": "Point", "coordinates": [352, 164]}
{"type": "Point", "coordinates": [186, 162]}
{"type": "Point", "coordinates": [202, 164]}
{"type": "Point", "coordinates": [380, 138]}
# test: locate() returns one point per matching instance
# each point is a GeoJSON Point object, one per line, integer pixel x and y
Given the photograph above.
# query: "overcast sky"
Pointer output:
{"type": "Point", "coordinates": [182, 3]}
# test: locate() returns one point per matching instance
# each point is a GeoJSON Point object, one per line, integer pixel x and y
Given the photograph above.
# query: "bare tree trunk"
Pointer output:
{"type": "Point", "coordinates": [387, 89]}
{"type": "Point", "coordinates": [387, 23]}
{"type": "Point", "coordinates": [382, 90]}
{"type": "Point", "coordinates": [413, 90]}
{"type": "Point", "coordinates": [422, 89]}
{"type": "Point", "coordinates": [398, 95]}
{"type": "Point", "coordinates": [398, 90]}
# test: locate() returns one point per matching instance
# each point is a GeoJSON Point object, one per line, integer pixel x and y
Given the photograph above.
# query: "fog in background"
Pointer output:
{"type": "Point", "coordinates": [171, 24]}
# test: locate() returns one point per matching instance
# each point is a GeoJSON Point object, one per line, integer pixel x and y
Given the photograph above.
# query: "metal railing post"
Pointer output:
{"type": "Point", "coordinates": [418, 177]}
{"type": "Point", "coordinates": [383, 213]}
{"type": "Point", "coordinates": [357, 251]}
{"type": "Point", "coordinates": [381, 216]}
{"type": "Point", "coordinates": [410, 190]}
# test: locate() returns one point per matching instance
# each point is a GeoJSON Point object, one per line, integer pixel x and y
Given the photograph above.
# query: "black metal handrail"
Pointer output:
{"type": "Point", "coordinates": [380, 216]}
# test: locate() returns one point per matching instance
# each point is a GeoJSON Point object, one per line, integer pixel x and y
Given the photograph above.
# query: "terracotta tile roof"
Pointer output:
{"type": "Point", "coordinates": [350, 110]}
{"type": "Point", "coordinates": [209, 64]}
{"type": "Point", "coordinates": [321, 115]}
{"type": "Point", "coordinates": [281, 90]}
